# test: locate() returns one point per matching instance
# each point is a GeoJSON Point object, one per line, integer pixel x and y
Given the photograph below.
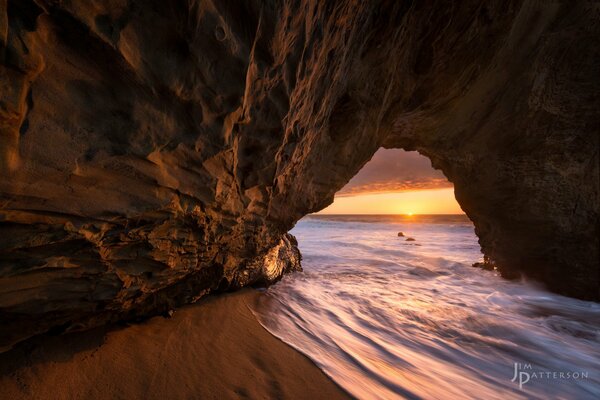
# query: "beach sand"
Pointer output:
{"type": "Point", "coordinates": [211, 350]}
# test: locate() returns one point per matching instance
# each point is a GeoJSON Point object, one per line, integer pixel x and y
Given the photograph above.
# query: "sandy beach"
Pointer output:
{"type": "Point", "coordinates": [211, 350]}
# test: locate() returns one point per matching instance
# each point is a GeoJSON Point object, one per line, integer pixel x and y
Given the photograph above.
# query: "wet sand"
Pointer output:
{"type": "Point", "coordinates": [212, 350]}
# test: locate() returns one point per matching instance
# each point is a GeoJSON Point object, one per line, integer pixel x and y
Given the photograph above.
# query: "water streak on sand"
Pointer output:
{"type": "Point", "coordinates": [387, 318]}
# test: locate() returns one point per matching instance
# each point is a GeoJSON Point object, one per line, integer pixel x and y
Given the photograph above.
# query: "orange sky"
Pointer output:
{"type": "Point", "coordinates": [395, 170]}
{"type": "Point", "coordinates": [432, 201]}
{"type": "Point", "coordinates": [395, 181]}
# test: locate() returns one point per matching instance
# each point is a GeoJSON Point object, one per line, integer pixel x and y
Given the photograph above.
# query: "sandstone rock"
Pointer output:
{"type": "Point", "coordinates": [269, 268]}
{"type": "Point", "coordinates": [152, 152]}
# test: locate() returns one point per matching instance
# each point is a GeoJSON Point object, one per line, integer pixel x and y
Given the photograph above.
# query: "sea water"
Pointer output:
{"type": "Point", "coordinates": [388, 318]}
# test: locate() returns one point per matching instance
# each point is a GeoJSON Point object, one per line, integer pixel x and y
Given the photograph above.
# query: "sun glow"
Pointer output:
{"type": "Point", "coordinates": [431, 201]}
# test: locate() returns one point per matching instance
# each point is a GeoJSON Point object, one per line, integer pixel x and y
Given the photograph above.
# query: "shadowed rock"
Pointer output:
{"type": "Point", "coordinates": [152, 152]}
{"type": "Point", "coordinates": [486, 265]}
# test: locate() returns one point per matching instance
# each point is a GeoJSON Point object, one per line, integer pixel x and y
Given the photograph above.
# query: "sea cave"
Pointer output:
{"type": "Point", "coordinates": [155, 152]}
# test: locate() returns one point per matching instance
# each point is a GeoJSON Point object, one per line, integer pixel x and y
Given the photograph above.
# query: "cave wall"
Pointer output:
{"type": "Point", "coordinates": [152, 152]}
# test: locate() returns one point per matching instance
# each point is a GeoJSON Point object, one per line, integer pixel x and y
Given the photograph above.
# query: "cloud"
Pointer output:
{"type": "Point", "coordinates": [395, 170]}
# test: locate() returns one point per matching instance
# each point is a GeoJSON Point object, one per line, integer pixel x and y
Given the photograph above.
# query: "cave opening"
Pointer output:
{"type": "Point", "coordinates": [397, 200]}
{"type": "Point", "coordinates": [399, 205]}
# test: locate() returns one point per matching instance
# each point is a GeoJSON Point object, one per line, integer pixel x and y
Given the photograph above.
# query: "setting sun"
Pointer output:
{"type": "Point", "coordinates": [432, 201]}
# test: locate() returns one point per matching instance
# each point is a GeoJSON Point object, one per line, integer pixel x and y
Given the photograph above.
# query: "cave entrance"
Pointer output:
{"type": "Point", "coordinates": [397, 204]}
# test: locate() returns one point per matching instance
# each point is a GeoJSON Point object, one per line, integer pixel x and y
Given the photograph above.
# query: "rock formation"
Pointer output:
{"type": "Point", "coordinates": [154, 151]}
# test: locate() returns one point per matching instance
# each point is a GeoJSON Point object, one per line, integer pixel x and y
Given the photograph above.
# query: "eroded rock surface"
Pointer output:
{"type": "Point", "coordinates": [152, 151]}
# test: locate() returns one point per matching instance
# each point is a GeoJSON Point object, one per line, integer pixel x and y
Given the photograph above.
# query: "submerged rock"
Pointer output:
{"type": "Point", "coordinates": [423, 272]}
{"type": "Point", "coordinates": [146, 162]}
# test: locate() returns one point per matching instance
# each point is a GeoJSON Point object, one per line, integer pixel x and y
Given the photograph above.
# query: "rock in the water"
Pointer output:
{"type": "Point", "coordinates": [423, 272]}
{"type": "Point", "coordinates": [488, 266]}
{"type": "Point", "coordinates": [147, 161]}
{"type": "Point", "coordinates": [400, 234]}
{"type": "Point", "coordinates": [410, 239]}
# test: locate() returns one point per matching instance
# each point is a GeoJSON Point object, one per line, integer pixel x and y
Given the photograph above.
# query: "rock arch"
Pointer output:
{"type": "Point", "coordinates": [153, 152]}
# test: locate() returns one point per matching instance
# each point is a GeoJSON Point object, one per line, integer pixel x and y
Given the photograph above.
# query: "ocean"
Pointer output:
{"type": "Point", "coordinates": [388, 318]}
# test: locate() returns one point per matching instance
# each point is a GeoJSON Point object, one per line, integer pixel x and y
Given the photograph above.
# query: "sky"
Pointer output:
{"type": "Point", "coordinates": [396, 182]}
